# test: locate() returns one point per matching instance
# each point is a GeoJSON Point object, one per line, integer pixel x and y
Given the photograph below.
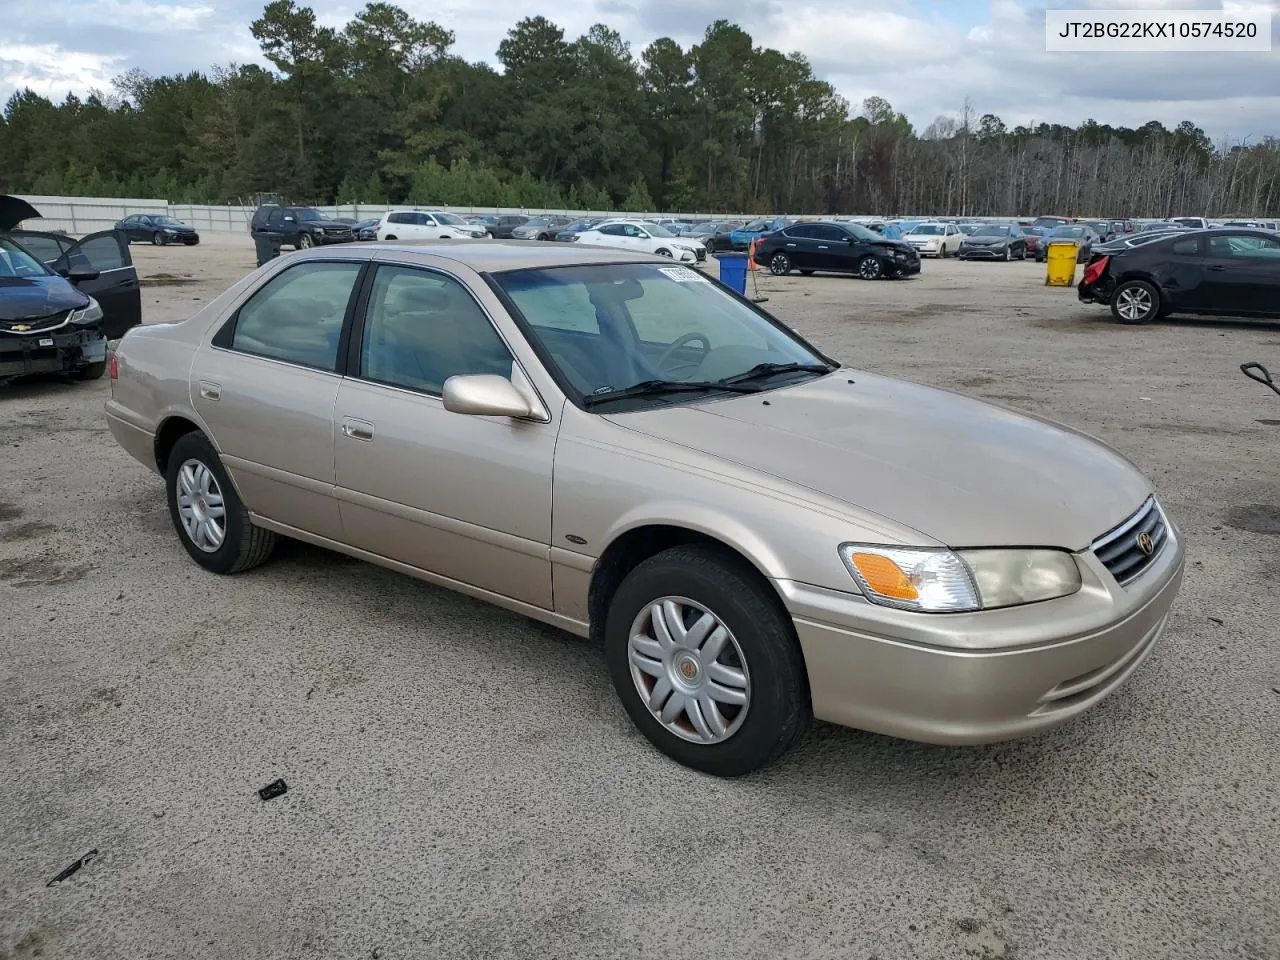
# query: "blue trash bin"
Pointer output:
{"type": "Point", "coordinates": [733, 271]}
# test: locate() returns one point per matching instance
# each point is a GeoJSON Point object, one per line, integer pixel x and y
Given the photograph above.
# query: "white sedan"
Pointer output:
{"type": "Point", "coordinates": [935, 239]}
{"type": "Point", "coordinates": [428, 225]}
{"type": "Point", "coordinates": [642, 237]}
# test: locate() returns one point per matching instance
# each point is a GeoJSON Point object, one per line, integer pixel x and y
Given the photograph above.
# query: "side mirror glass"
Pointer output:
{"type": "Point", "coordinates": [288, 219]}
{"type": "Point", "coordinates": [485, 395]}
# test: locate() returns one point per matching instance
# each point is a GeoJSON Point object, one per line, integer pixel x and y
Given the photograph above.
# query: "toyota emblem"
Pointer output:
{"type": "Point", "coordinates": [1146, 544]}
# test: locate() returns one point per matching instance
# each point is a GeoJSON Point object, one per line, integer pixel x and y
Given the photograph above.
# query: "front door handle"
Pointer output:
{"type": "Point", "coordinates": [357, 429]}
{"type": "Point", "coordinates": [1217, 268]}
{"type": "Point", "coordinates": [822, 246]}
{"type": "Point", "coordinates": [210, 390]}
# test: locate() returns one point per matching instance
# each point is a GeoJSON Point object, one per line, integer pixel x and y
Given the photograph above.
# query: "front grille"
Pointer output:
{"type": "Point", "coordinates": [1122, 550]}
{"type": "Point", "coordinates": [35, 324]}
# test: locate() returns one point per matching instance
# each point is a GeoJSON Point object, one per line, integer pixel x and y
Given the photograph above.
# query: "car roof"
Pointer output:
{"type": "Point", "coordinates": [498, 255]}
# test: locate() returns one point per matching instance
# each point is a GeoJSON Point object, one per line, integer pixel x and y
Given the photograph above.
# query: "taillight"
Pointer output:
{"type": "Point", "coordinates": [114, 367]}
{"type": "Point", "coordinates": [1094, 270]}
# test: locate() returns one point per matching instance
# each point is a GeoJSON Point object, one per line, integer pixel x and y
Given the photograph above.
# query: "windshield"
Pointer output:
{"type": "Point", "coordinates": [16, 262]}
{"type": "Point", "coordinates": [609, 326]}
{"type": "Point", "coordinates": [309, 213]}
{"type": "Point", "coordinates": [928, 230]}
{"type": "Point", "coordinates": [1068, 232]}
{"type": "Point", "coordinates": [755, 226]}
{"type": "Point", "coordinates": [451, 219]}
{"type": "Point", "coordinates": [168, 222]}
{"type": "Point", "coordinates": [991, 230]}
{"type": "Point", "coordinates": [657, 231]}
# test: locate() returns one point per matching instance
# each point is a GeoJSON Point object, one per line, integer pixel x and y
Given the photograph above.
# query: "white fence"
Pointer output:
{"type": "Point", "coordinates": [83, 215]}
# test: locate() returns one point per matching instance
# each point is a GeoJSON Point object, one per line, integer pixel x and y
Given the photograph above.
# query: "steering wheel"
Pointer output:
{"type": "Point", "coordinates": [680, 342]}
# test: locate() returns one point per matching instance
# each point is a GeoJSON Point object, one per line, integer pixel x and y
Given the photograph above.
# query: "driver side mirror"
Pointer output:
{"type": "Point", "coordinates": [485, 395]}
{"type": "Point", "coordinates": [288, 219]}
{"type": "Point", "coordinates": [78, 274]}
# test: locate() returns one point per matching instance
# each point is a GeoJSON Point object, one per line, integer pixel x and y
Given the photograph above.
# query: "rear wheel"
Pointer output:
{"type": "Point", "coordinates": [870, 268]}
{"type": "Point", "coordinates": [211, 521]}
{"type": "Point", "coordinates": [92, 371]}
{"type": "Point", "coordinates": [780, 265]}
{"type": "Point", "coordinates": [389, 237]}
{"type": "Point", "coordinates": [1135, 301]}
{"type": "Point", "coordinates": [706, 662]}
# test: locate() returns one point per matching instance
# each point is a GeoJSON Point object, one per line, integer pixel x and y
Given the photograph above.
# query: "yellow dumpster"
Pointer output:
{"type": "Point", "coordinates": [1061, 260]}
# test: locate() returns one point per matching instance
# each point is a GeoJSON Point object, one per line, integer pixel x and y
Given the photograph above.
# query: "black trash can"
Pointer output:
{"type": "Point", "coordinates": [267, 246]}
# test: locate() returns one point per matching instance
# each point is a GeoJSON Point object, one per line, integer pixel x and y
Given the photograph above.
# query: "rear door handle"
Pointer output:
{"type": "Point", "coordinates": [357, 429]}
{"type": "Point", "coordinates": [1217, 268]}
{"type": "Point", "coordinates": [822, 246]}
{"type": "Point", "coordinates": [210, 390]}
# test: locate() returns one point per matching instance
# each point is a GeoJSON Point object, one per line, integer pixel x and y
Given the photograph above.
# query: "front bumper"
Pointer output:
{"type": "Point", "coordinates": [980, 677]}
{"type": "Point", "coordinates": [58, 351]}
{"type": "Point", "coordinates": [904, 268]}
{"type": "Point", "coordinates": [343, 236]}
{"type": "Point", "coordinates": [982, 253]}
{"type": "Point", "coordinates": [924, 251]}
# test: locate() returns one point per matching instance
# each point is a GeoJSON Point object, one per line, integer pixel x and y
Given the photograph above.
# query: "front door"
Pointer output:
{"type": "Point", "coordinates": [116, 287]}
{"type": "Point", "coordinates": [265, 388]}
{"type": "Point", "coordinates": [1242, 274]}
{"type": "Point", "coordinates": [800, 245]}
{"type": "Point", "coordinates": [468, 498]}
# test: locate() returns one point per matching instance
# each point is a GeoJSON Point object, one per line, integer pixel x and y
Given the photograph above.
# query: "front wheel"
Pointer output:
{"type": "Point", "coordinates": [157, 239]}
{"type": "Point", "coordinates": [211, 521]}
{"type": "Point", "coordinates": [91, 371]}
{"type": "Point", "coordinates": [664, 252]}
{"type": "Point", "coordinates": [1135, 301]}
{"type": "Point", "coordinates": [706, 661]}
{"type": "Point", "coordinates": [305, 242]}
{"type": "Point", "coordinates": [870, 268]}
{"type": "Point", "coordinates": [780, 265]}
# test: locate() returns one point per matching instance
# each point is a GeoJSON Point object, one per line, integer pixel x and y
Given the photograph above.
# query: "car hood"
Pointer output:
{"type": "Point", "coordinates": [13, 210]}
{"type": "Point", "coordinates": [960, 471]}
{"type": "Point", "coordinates": [985, 241]}
{"type": "Point", "coordinates": [23, 298]}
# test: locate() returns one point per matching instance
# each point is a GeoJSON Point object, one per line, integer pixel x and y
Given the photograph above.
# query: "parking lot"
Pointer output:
{"type": "Point", "coordinates": [463, 782]}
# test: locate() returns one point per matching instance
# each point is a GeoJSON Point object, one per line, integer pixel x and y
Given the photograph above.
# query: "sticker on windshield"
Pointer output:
{"type": "Point", "coordinates": [684, 275]}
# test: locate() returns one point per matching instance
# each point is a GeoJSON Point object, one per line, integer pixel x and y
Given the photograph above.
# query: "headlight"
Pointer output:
{"type": "Point", "coordinates": [170, 230]}
{"type": "Point", "coordinates": [90, 314]}
{"type": "Point", "coordinates": [945, 581]}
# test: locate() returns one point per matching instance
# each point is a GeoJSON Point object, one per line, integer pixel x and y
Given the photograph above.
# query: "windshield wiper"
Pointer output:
{"type": "Point", "coordinates": [762, 370]}
{"type": "Point", "coordinates": [646, 388]}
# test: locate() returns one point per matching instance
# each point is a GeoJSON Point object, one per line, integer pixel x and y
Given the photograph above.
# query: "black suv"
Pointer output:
{"type": "Point", "coordinates": [298, 227]}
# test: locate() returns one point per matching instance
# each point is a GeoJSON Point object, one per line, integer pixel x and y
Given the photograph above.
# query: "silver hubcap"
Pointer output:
{"type": "Point", "coordinates": [204, 515]}
{"type": "Point", "coordinates": [870, 269]}
{"type": "Point", "coordinates": [689, 670]}
{"type": "Point", "coordinates": [1133, 303]}
{"type": "Point", "coordinates": [781, 264]}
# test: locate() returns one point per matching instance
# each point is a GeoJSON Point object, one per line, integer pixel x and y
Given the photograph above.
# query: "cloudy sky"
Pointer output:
{"type": "Point", "coordinates": [924, 56]}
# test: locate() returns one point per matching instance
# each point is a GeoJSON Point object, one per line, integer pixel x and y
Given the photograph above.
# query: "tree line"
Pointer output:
{"type": "Point", "coordinates": [382, 110]}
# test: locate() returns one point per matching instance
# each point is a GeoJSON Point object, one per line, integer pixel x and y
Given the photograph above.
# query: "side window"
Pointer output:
{"type": "Point", "coordinates": [801, 231]}
{"type": "Point", "coordinates": [275, 217]}
{"type": "Point", "coordinates": [827, 232]}
{"type": "Point", "coordinates": [1187, 248]}
{"type": "Point", "coordinates": [1245, 247]}
{"type": "Point", "coordinates": [397, 218]}
{"type": "Point", "coordinates": [631, 230]}
{"type": "Point", "coordinates": [46, 249]}
{"type": "Point", "coordinates": [426, 220]}
{"type": "Point", "coordinates": [297, 316]}
{"type": "Point", "coordinates": [98, 253]}
{"type": "Point", "coordinates": [422, 328]}
{"type": "Point", "coordinates": [613, 230]}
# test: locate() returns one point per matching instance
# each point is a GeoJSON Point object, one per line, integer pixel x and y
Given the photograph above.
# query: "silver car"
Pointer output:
{"type": "Point", "coordinates": [621, 447]}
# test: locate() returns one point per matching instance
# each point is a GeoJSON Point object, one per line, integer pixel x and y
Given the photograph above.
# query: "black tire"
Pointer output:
{"type": "Point", "coordinates": [1135, 301]}
{"type": "Point", "coordinates": [664, 252]}
{"type": "Point", "coordinates": [389, 237]}
{"type": "Point", "coordinates": [779, 712]}
{"type": "Point", "coordinates": [1022, 253]}
{"type": "Point", "coordinates": [157, 239]}
{"type": "Point", "coordinates": [244, 546]}
{"type": "Point", "coordinates": [1008, 253]}
{"type": "Point", "coordinates": [870, 268]}
{"type": "Point", "coordinates": [305, 242]}
{"type": "Point", "coordinates": [92, 371]}
{"type": "Point", "coordinates": [780, 264]}
{"type": "Point", "coordinates": [806, 273]}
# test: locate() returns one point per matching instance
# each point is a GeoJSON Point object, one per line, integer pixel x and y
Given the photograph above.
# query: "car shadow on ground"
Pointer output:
{"type": "Point", "coordinates": [36, 387]}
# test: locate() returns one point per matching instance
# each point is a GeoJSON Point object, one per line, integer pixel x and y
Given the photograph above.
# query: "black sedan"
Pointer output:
{"type": "Point", "coordinates": [714, 234]}
{"type": "Point", "coordinates": [1083, 237]}
{"type": "Point", "coordinates": [838, 248]}
{"type": "Point", "coordinates": [158, 229]}
{"type": "Point", "coordinates": [569, 232]}
{"type": "Point", "coordinates": [994, 241]}
{"type": "Point", "coordinates": [366, 229]}
{"type": "Point", "coordinates": [1221, 272]}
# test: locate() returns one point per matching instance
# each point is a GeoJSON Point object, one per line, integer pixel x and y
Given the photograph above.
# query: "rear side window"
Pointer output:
{"type": "Point", "coordinates": [399, 218]}
{"type": "Point", "coordinates": [47, 249]}
{"type": "Point", "coordinates": [1187, 248]}
{"type": "Point", "coordinates": [98, 253]}
{"type": "Point", "coordinates": [802, 231]}
{"type": "Point", "coordinates": [297, 316]}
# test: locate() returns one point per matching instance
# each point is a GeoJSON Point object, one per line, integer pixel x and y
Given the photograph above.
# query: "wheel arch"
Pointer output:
{"type": "Point", "coordinates": [168, 433]}
{"type": "Point", "coordinates": [633, 545]}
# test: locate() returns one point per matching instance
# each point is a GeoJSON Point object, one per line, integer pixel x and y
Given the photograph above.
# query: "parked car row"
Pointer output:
{"type": "Point", "coordinates": [833, 246]}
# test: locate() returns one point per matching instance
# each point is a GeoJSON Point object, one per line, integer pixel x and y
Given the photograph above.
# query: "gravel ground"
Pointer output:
{"type": "Point", "coordinates": [462, 783]}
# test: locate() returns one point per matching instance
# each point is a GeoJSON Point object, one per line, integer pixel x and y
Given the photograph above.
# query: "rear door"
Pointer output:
{"type": "Point", "coordinates": [116, 287]}
{"type": "Point", "coordinates": [800, 244]}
